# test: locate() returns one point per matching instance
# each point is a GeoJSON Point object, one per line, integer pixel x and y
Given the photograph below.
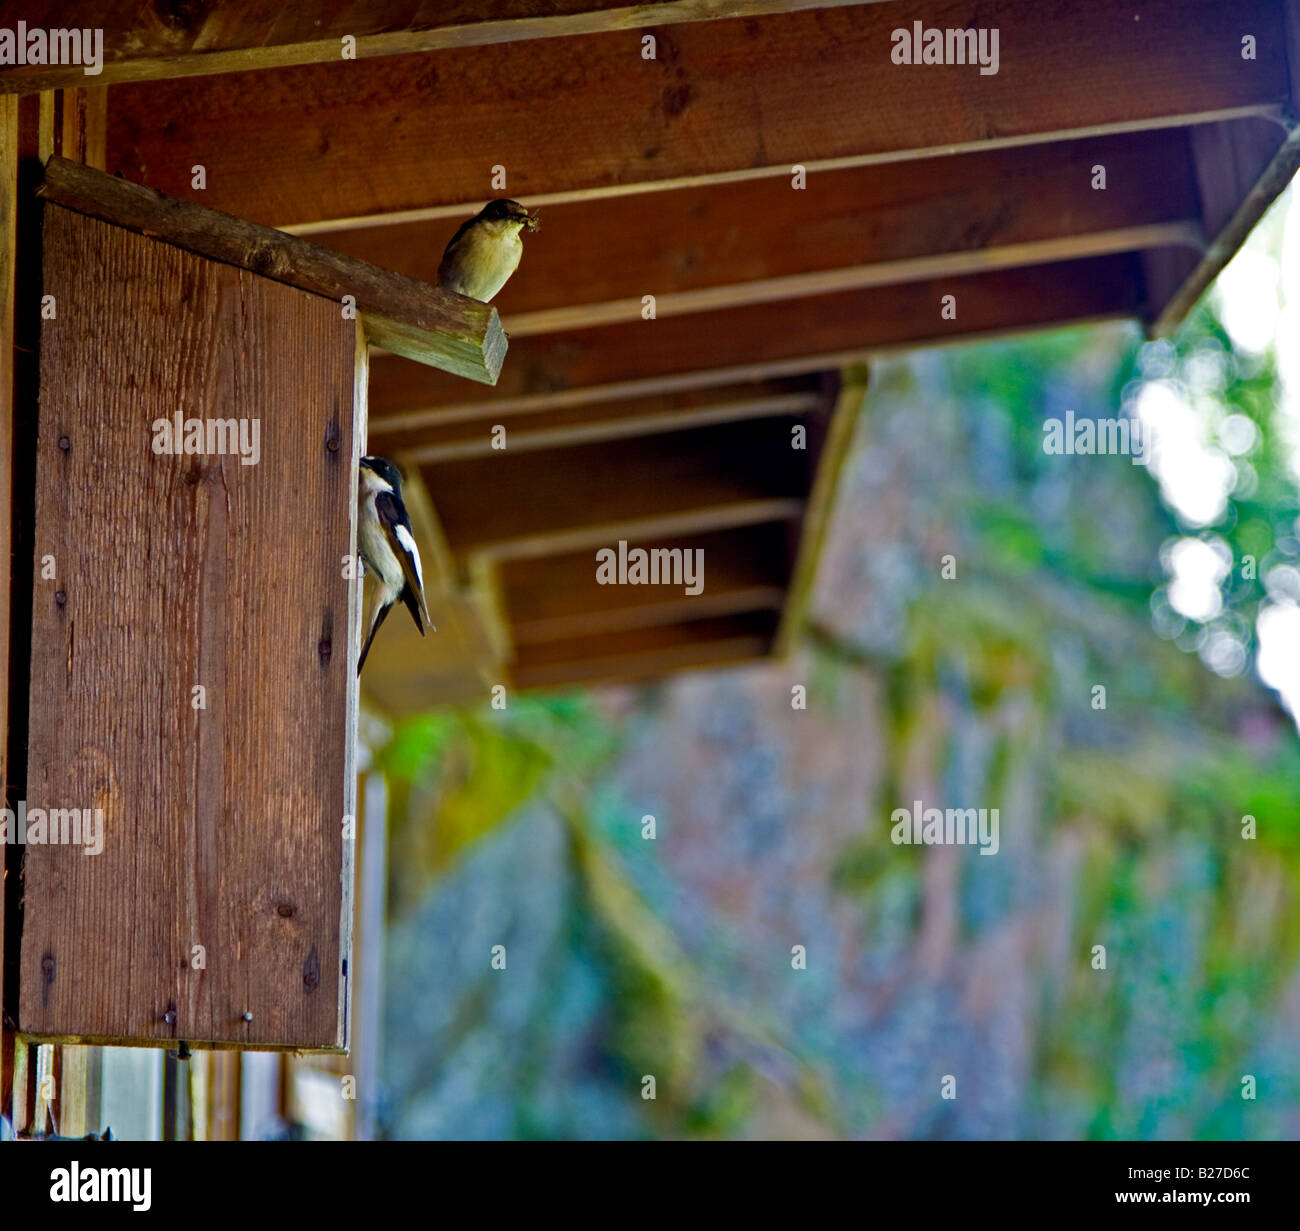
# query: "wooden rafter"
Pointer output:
{"type": "Point", "coordinates": [726, 245]}
{"type": "Point", "coordinates": [612, 419]}
{"type": "Point", "coordinates": [564, 499]}
{"type": "Point", "coordinates": [765, 340]}
{"type": "Point", "coordinates": [637, 653]}
{"type": "Point", "coordinates": [204, 38]}
{"type": "Point", "coordinates": [559, 597]}
{"type": "Point", "coordinates": [722, 100]}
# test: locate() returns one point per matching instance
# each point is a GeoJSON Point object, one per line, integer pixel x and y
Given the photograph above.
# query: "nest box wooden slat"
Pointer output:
{"type": "Point", "coordinates": [194, 646]}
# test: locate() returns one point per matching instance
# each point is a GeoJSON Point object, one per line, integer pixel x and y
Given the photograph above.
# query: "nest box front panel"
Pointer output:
{"type": "Point", "coordinates": [193, 651]}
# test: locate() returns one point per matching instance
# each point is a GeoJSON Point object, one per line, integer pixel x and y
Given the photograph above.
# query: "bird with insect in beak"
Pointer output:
{"type": "Point", "coordinates": [486, 250]}
{"type": "Point", "coordinates": [387, 547]}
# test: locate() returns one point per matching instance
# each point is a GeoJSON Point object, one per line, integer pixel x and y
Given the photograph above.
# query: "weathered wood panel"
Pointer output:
{"type": "Point", "coordinates": [222, 811]}
{"type": "Point", "coordinates": [722, 99]}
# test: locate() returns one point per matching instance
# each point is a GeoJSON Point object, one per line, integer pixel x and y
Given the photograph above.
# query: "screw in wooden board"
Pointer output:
{"type": "Point", "coordinates": [247, 1016]}
{"type": "Point", "coordinates": [170, 1017]}
{"type": "Point", "coordinates": [60, 598]}
{"type": "Point", "coordinates": [64, 443]}
{"type": "Point", "coordinates": [324, 649]}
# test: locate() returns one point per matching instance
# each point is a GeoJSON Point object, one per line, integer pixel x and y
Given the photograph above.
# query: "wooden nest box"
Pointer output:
{"type": "Point", "coordinates": [195, 620]}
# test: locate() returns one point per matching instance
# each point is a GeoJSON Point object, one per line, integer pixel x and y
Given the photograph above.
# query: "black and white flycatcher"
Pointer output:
{"type": "Point", "coordinates": [387, 546]}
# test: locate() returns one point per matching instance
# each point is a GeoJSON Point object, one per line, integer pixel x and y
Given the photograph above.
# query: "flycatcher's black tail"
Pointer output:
{"type": "Point", "coordinates": [380, 616]}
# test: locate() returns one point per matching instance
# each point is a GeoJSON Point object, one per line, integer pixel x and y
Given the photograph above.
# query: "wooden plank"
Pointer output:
{"type": "Point", "coordinates": [224, 1096]}
{"type": "Point", "coordinates": [831, 451]}
{"type": "Point", "coordinates": [1185, 235]}
{"type": "Point", "coordinates": [608, 420]}
{"type": "Point", "coordinates": [1229, 159]}
{"type": "Point", "coordinates": [646, 652]}
{"type": "Point", "coordinates": [204, 38]}
{"type": "Point", "coordinates": [558, 597]}
{"type": "Point", "coordinates": [424, 323]}
{"type": "Point", "coordinates": [723, 100]}
{"type": "Point", "coordinates": [73, 1109]}
{"type": "Point", "coordinates": [8, 265]}
{"type": "Point", "coordinates": [220, 824]}
{"type": "Point", "coordinates": [83, 120]}
{"type": "Point", "coordinates": [724, 245]}
{"type": "Point", "coordinates": [764, 340]}
{"type": "Point", "coordinates": [590, 493]}
{"type": "Point", "coordinates": [23, 1091]}
{"type": "Point", "coordinates": [27, 127]}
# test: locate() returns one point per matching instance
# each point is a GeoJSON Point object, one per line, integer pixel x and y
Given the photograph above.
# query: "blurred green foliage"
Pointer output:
{"type": "Point", "coordinates": [985, 691]}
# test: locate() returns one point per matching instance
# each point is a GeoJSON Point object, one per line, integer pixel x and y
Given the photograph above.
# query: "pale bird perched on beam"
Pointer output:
{"type": "Point", "coordinates": [386, 544]}
{"type": "Point", "coordinates": [486, 250]}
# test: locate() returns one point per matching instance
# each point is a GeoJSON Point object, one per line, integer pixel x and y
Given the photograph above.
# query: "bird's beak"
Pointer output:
{"type": "Point", "coordinates": [532, 222]}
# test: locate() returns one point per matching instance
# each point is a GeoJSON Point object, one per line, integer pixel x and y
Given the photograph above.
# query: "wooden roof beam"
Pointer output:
{"type": "Point", "coordinates": [558, 597]}
{"type": "Point", "coordinates": [566, 499]}
{"type": "Point", "coordinates": [761, 341]}
{"type": "Point", "coordinates": [646, 652]}
{"type": "Point", "coordinates": [726, 245]}
{"type": "Point", "coordinates": [615, 419]}
{"type": "Point", "coordinates": [242, 35]}
{"type": "Point", "coordinates": [723, 100]}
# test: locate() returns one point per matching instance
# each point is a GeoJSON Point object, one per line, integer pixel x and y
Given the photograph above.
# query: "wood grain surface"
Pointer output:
{"type": "Point", "coordinates": [222, 825]}
{"type": "Point", "coordinates": [721, 99]}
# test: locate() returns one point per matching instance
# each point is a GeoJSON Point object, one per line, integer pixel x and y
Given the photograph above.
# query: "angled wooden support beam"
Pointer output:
{"type": "Point", "coordinates": [1241, 166]}
{"type": "Point", "coordinates": [458, 335]}
{"type": "Point", "coordinates": [831, 451]}
{"type": "Point", "coordinates": [722, 101]}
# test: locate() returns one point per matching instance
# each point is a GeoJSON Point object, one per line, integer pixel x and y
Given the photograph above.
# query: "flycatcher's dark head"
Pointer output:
{"type": "Point", "coordinates": [505, 210]}
{"type": "Point", "coordinates": [385, 470]}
